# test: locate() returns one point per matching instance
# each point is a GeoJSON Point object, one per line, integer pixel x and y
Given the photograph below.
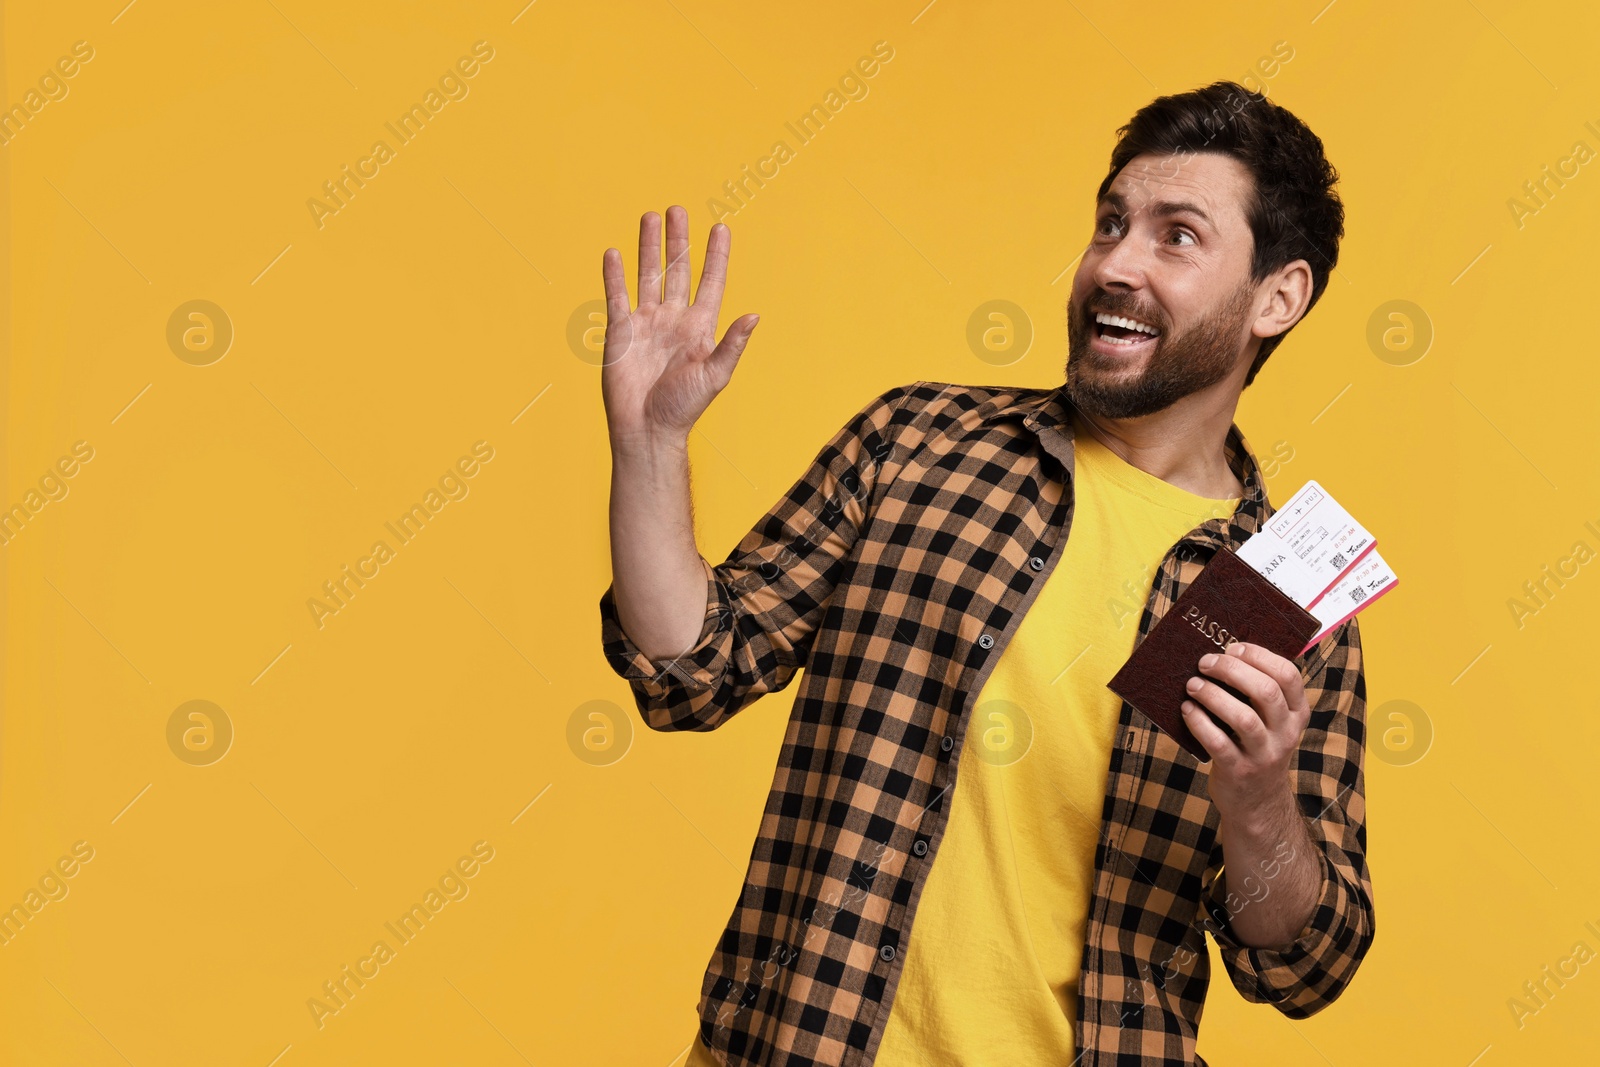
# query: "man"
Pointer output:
{"type": "Point", "coordinates": [974, 852]}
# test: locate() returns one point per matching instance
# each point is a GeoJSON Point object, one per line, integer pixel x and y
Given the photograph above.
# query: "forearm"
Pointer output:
{"type": "Point", "coordinates": [1271, 867]}
{"type": "Point", "coordinates": [657, 577]}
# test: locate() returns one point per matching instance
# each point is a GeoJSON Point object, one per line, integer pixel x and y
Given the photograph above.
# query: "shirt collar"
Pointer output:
{"type": "Point", "coordinates": [1048, 413]}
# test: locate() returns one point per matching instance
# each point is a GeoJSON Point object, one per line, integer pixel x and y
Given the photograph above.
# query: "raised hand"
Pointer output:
{"type": "Point", "coordinates": [663, 364]}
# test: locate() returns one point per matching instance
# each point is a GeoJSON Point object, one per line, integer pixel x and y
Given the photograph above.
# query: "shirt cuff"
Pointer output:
{"type": "Point", "coordinates": [1278, 975]}
{"type": "Point", "coordinates": [699, 668]}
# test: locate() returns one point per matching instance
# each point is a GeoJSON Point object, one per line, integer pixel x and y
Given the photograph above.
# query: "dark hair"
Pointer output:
{"type": "Point", "coordinates": [1294, 212]}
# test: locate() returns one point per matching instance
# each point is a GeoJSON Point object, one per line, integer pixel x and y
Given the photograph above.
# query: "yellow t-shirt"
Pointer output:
{"type": "Point", "coordinates": [991, 966]}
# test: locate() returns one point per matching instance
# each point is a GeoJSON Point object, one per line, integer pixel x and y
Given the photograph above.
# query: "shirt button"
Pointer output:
{"type": "Point", "coordinates": [947, 742]}
{"type": "Point", "coordinates": [986, 641]}
{"type": "Point", "coordinates": [1037, 563]}
{"type": "Point", "coordinates": [886, 953]}
{"type": "Point", "coordinates": [920, 848]}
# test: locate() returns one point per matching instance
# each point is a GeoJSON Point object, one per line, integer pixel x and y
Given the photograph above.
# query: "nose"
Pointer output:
{"type": "Point", "coordinates": [1122, 266]}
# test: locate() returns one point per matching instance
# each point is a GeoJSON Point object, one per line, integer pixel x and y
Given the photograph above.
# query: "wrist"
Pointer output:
{"type": "Point", "coordinates": [1267, 821]}
{"type": "Point", "coordinates": [648, 443]}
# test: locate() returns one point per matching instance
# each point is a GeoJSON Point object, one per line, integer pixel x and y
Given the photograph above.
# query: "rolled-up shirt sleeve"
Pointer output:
{"type": "Point", "coordinates": [698, 668]}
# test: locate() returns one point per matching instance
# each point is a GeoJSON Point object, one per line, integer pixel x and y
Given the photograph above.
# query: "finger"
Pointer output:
{"type": "Point", "coordinates": [1282, 671]}
{"type": "Point", "coordinates": [1212, 737]}
{"type": "Point", "coordinates": [677, 255]}
{"type": "Point", "coordinates": [725, 356]}
{"type": "Point", "coordinates": [1258, 687]}
{"type": "Point", "coordinates": [649, 259]}
{"type": "Point", "coordinates": [714, 274]}
{"type": "Point", "coordinates": [1239, 716]}
{"type": "Point", "coordinates": [616, 280]}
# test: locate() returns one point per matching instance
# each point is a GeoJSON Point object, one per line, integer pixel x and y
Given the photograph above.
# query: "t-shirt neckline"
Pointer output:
{"type": "Point", "coordinates": [1142, 483]}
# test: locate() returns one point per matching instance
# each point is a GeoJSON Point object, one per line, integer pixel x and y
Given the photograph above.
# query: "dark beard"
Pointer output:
{"type": "Point", "coordinates": [1182, 363]}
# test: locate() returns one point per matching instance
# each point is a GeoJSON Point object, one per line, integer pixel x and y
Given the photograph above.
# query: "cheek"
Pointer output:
{"type": "Point", "coordinates": [1178, 313]}
{"type": "Point", "coordinates": [1077, 312]}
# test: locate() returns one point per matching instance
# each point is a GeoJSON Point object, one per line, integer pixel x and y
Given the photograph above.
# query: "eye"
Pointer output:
{"type": "Point", "coordinates": [1100, 227]}
{"type": "Point", "coordinates": [1183, 231]}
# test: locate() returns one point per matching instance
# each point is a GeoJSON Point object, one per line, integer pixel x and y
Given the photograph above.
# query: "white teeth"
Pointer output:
{"type": "Point", "coordinates": [1126, 324]}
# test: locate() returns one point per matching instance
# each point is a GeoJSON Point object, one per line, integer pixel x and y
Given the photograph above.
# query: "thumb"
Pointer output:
{"type": "Point", "coordinates": [725, 356]}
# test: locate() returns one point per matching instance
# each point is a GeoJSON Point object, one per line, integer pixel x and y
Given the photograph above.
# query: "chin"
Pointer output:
{"type": "Point", "coordinates": [1117, 405]}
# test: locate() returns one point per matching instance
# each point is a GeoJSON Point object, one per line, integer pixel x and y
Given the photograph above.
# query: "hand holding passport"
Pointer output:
{"type": "Point", "coordinates": [1310, 568]}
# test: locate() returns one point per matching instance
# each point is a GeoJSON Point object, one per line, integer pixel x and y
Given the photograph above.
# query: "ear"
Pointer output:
{"type": "Point", "coordinates": [1288, 296]}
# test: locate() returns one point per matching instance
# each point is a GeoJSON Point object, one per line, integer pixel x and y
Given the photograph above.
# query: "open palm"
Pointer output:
{"type": "Point", "coordinates": [663, 364]}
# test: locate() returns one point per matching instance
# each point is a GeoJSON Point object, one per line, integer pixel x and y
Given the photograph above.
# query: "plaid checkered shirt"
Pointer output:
{"type": "Point", "coordinates": [895, 570]}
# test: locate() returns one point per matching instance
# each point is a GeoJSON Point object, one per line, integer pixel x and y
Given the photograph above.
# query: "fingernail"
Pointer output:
{"type": "Point", "coordinates": [1208, 659]}
{"type": "Point", "coordinates": [1194, 684]}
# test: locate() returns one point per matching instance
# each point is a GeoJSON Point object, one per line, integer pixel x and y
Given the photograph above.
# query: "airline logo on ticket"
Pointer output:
{"type": "Point", "coordinates": [1307, 545]}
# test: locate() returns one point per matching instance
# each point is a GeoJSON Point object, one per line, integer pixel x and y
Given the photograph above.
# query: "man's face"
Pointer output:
{"type": "Point", "coordinates": [1171, 251]}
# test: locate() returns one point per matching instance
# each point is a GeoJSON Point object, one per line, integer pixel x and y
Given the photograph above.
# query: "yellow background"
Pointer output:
{"type": "Point", "coordinates": [432, 711]}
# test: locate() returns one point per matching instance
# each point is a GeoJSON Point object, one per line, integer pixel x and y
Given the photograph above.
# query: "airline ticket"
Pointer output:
{"type": "Point", "coordinates": [1307, 545]}
{"type": "Point", "coordinates": [1360, 586]}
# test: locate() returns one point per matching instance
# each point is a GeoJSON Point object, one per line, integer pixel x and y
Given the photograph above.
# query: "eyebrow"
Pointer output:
{"type": "Point", "coordinates": [1161, 208]}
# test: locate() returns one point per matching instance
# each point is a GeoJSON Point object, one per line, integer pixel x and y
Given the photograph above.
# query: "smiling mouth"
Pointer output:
{"type": "Point", "coordinates": [1121, 332]}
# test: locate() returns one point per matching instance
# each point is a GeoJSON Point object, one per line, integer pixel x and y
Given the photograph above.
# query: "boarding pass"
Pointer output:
{"type": "Point", "coordinates": [1360, 586]}
{"type": "Point", "coordinates": [1307, 545]}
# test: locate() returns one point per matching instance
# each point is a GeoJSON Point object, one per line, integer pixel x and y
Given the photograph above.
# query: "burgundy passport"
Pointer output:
{"type": "Point", "coordinates": [1227, 601]}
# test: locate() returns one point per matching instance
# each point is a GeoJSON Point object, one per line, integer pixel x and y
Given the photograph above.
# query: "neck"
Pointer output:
{"type": "Point", "coordinates": [1181, 444]}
